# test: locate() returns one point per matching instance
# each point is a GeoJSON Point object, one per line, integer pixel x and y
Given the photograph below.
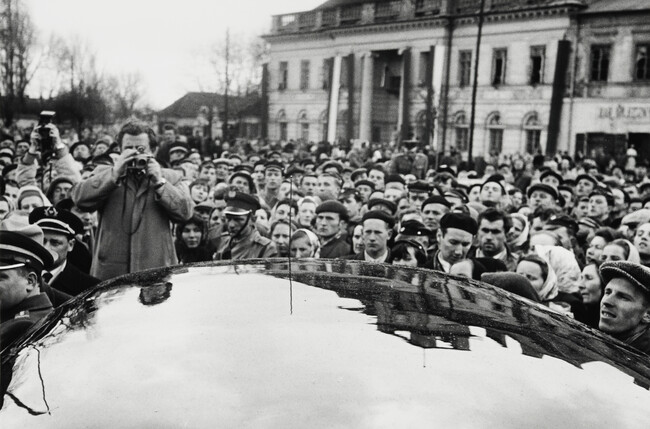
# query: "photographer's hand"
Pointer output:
{"type": "Point", "coordinates": [121, 163]}
{"type": "Point", "coordinates": [154, 172]}
{"type": "Point", "coordinates": [34, 151]}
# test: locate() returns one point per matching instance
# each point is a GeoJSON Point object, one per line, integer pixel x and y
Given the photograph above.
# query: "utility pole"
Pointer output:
{"type": "Point", "coordinates": [474, 86]}
{"type": "Point", "coordinates": [225, 103]}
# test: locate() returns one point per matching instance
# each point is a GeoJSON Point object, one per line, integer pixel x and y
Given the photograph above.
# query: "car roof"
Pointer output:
{"type": "Point", "coordinates": [316, 343]}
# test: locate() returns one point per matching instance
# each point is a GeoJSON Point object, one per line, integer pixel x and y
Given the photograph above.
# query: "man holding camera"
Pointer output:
{"type": "Point", "coordinates": [136, 199]}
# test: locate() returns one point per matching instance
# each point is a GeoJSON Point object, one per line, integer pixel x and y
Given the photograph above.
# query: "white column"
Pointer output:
{"type": "Point", "coordinates": [334, 99]}
{"type": "Point", "coordinates": [365, 117]}
{"type": "Point", "coordinates": [436, 83]}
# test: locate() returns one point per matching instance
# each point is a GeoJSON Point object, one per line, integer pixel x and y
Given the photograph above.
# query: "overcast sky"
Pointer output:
{"type": "Point", "coordinates": [164, 40]}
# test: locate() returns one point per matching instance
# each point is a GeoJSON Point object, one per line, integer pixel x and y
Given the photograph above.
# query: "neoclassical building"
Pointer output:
{"type": "Point", "coordinates": [552, 75]}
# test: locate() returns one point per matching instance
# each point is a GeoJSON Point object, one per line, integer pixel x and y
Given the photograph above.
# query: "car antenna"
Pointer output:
{"type": "Point", "coordinates": [289, 254]}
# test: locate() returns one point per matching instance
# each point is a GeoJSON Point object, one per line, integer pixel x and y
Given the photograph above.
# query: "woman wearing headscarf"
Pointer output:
{"type": "Point", "coordinates": [191, 241]}
{"type": "Point", "coordinates": [620, 250]}
{"type": "Point", "coordinates": [304, 244]}
{"type": "Point", "coordinates": [517, 236]}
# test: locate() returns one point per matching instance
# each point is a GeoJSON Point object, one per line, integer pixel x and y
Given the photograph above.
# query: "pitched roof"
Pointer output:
{"type": "Point", "coordinates": [188, 105]}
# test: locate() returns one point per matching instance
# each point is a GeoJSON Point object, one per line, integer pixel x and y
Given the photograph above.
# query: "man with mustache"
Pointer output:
{"type": "Point", "coordinates": [625, 306]}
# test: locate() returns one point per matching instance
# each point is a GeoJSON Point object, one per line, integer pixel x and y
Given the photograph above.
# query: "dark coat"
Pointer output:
{"type": "Point", "coordinates": [336, 248]}
{"type": "Point", "coordinates": [73, 281]}
{"type": "Point", "coordinates": [16, 321]}
{"type": "Point", "coordinates": [362, 257]}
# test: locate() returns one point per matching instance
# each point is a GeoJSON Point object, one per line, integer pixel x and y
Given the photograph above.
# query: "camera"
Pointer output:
{"type": "Point", "coordinates": [139, 163]}
{"type": "Point", "coordinates": [45, 142]}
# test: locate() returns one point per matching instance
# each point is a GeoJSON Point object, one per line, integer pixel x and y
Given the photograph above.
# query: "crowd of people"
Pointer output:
{"type": "Point", "coordinates": [572, 234]}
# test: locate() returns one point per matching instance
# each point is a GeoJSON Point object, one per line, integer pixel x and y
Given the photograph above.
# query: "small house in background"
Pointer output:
{"type": "Point", "coordinates": [203, 114]}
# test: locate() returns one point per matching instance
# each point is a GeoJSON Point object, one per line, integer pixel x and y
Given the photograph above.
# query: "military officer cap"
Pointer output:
{"type": "Point", "coordinates": [446, 169]}
{"type": "Point", "coordinates": [333, 207]}
{"type": "Point", "coordinates": [246, 167]}
{"type": "Point", "coordinates": [333, 164]}
{"type": "Point", "coordinates": [223, 161]}
{"type": "Point", "coordinates": [436, 199]}
{"type": "Point", "coordinates": [365, 182]}
{"type": "Point", "coordinates": [178, 147]}
{"type": "Point", "coordinates": [23, 245]}
{"type": "Point", "coordinates": [240, 204]}
{"type": "Point", "coordinates": [636, 274]}
{"type": "Point", "coordinates": [274, 165]}
{"type": "Point", "coordinates": [294, 169]}
{"type": "Point", "coordinates": [382, 202]}
{"type": "Point", "coordinates": [460, 221]}
{"type": "Point", "coordinates": [551, 173]}
{"type": "Point", "coordinates": [379, 214]}
{"type": "Point", "coordinates": [61, 221]}
{"type": "Point", "coordinates": [414, 227]}
{"type": "Point", "coordinates": [419, 186]}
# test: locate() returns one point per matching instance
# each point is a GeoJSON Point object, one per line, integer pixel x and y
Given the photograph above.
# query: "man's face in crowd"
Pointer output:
{"type": "Point", "coordinates": [598, 207]}
{"type": "Point", "coordinates": [59, 244]}
{"type": "Point", "coordinates": [377, 177]}
{"type": "Point", "coordinates": [491, 194]}
{"type": "Point", "coordinates": [393, 195]}
{"type": "Point", "coordinates": [417, 198]}
{"type": "Point", "coordinates": [328, 188]}
{"type": "Point", "coordinates": [15, 286]}
{"type": "Point", "coordinates": [241, 184]}
{"type": "Point", "coordinates": [551, 180]}
{"type": "Point", "coordinates": [431, 215]}
{"type": "Point", "coordinates": [140, 142]}
{"type": "Point", "coordinates": [642, 239]}
{"type": "Point", "coordinates": [235, 223]}
{"type": "Point", "coordinates": [375, 236]}
{"type": "Point", "coordinates": [176, 155]}
{"type": "Point", "coordinates": [21, 148]}
{"type": "Point", "coordinates": [309, 185]}
{"type": "Point", "coordinates": [364, 191]}
{"type": "Point", "coordinates": [619, 201]}
{"type": "Point", "coordinates": [258, 175]}
{"type": "Point", "coordinates": [454, 244]}
{"type": "Point", "coordinates": [540, 199]}
{"type": "Point", "coordinates": [491, 237]}
{"type": "Point", "coordinates": [210, 174]}
{"type": "Point", "coordinates": [622, 307]}
{"type": "Point", "coordinates": [395, 185]}
{"type": "Point", "coordinates": [327, 224]}
{"type": "Point", "coordinates": [474, 195]}
{"type": "Point", "coordinates": [584, 187]}
{"type": "Point", "coordinates": [222, 171]}
{"type": "Point", "coordinates": [581, 209]}
{"type": "Point", "coordinates": [169, 136]}
{"type": "Point", "coordinates": [568, 199]}
{"type": "Point", "coordinates": [352, 205]}
{"type": "Point", "coordinates": [280, 237]}
{"type": "Point", "coordinates": [272, 178]}
{"type": "Point", "coordinates": [61, 191]}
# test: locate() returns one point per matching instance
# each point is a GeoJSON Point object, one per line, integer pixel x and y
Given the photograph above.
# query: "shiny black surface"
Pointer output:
{"type": "Point", "coordinates": [340, 344]}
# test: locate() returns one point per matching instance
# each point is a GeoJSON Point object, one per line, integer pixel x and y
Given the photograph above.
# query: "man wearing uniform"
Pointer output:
{"type": "Point", "coordinates": [243, 241]}
{"type": "Point", "coordinates": [22, 303]}
{"type": "Point", "coordinates": [60, 227]}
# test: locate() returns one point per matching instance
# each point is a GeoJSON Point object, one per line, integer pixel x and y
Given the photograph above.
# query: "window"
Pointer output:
{"type": "Point", "coordinates": [464, 67]}
{"type": "Point", "coordinates": [495, 130]}
{"type": "Point", "coordinates": [424, 63]}
{"type": "Point", "coordinates": [283, 76]}
{"type": "Point", "coordinates": [328, 63]}
{"type": "Point", "coordinates": [532, 131]}
{"type": "Point", "coordinates": [462, 132]}
{"type": "Point", "coordinates": [499, 59]}
{"type": "Point", "coordinates": [282, 125]}
{"type": "Point", "coordinates": [537, 59]}
{"type": "Point", "coordinates": [283, 130]}
{"type": "Point", "coordinates": [600, 62]}
{"type": "Point", "coordinates": [304, 74]}
{"type": "Point", "coordinates": [641, 64]}
{"type": "Point", "coordinates": [304, 132]}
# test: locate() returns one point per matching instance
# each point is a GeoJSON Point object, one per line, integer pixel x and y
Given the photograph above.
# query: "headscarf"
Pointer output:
{"type": "Point", "coordinates": [313, 240]}
{"type": "Point", "coordinates": [563, 262]}
{"type": "Point", "coordinates": [29, 191]}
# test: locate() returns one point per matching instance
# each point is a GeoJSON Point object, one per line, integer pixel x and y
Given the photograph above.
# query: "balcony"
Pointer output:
{"type": "Point", "coordinates": [378, 11]}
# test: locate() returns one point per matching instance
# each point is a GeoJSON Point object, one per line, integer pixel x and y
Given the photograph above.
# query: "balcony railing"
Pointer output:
{"type": "Point", "coordinates": [376, 11]}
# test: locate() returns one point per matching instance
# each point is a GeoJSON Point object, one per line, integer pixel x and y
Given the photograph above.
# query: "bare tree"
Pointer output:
{"type": "Point", "coordinates": [125, 92]}
{"type": "Point", "coordinates": [245, 58]}
{"type": "Point", "coordinates": [16, 69]}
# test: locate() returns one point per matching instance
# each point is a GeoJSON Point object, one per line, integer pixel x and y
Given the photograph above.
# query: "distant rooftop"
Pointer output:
{"type": "Point", "coordinates": [188, 106]}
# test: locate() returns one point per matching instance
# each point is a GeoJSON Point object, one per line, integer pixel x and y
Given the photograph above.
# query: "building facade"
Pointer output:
{"type": "Point", "coordinates": [401, 69]}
